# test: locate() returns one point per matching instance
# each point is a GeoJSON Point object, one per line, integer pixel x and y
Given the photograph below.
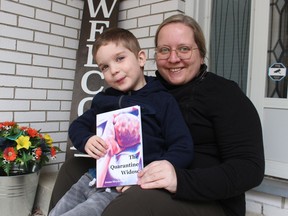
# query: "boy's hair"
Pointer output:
{"type": "Point", "coordinates": [117, 36]}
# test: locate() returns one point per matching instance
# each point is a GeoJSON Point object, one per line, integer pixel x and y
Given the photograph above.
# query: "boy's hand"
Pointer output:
{"type": "Point", "coordinates": [96, 147]}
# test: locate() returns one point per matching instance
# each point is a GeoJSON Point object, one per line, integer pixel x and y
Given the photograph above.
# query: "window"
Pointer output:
{"type": "Point", "coordinates": [229, 40]}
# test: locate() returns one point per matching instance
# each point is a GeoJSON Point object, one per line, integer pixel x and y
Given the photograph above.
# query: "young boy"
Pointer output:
{"type": "Point", "coordinates": [165, 135]}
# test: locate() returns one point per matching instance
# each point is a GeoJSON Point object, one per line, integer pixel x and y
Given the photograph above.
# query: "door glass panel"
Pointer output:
{"type": "Point", "coordinates": [229, 40]}
{"type": "Point", "coordinates": [277, 50]}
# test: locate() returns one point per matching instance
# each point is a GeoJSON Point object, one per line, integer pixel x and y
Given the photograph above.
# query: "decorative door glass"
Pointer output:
{"type": "Point", "coordinates": [277, 50]}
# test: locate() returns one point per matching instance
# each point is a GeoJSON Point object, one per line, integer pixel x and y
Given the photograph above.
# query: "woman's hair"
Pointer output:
{"type": "Point", "coordinates": [117, 36]}
{"type": "Point", "coordinates": [190, 22]}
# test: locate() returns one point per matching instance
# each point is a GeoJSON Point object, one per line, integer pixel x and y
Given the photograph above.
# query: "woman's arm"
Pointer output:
{"type": "Point", "coordinates": [240, 164]}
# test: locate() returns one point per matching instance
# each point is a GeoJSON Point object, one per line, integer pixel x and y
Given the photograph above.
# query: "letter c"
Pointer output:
{"type": "Point", "coordinates": [80, 109]}
{"type": "Point", "coordinates": [84, 82]}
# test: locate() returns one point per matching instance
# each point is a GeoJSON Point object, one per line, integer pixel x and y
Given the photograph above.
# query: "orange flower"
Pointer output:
{"type": "Point", "coordinates": [32, 132]}
{"type": "Point", "coordinates": [53, 151]}
{"type": "Point", "coordinates": [9, 154]}
{"type": "Point", "coordinates": [38, 153]}
{"type": "Point", "coordinates": [8, 123]}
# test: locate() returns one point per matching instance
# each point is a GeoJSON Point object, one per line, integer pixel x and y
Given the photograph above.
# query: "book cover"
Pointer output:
{"type": "Point", "coordinates": [122, 130]}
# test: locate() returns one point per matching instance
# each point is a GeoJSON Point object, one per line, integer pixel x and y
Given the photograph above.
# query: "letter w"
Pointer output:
{"type": "Point", "coordinates": [102, 5]}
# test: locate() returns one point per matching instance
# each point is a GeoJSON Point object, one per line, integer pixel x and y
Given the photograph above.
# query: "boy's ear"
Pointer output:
{"type": "Point", "coordinates": [142, 58]}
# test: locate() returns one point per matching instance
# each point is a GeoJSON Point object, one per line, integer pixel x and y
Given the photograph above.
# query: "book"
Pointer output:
{"type": "Point", "coordinates": [122, 130]}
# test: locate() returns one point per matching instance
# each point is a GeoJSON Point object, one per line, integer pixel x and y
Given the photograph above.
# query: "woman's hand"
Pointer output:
{"type": "Point", "coordinates": [158, 174]}
{"type": "Point", "coordinates": [122, 189]}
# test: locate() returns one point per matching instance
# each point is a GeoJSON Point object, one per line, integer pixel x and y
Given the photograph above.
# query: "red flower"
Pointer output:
{"type": "Point", "coordinates": [7, 124]}
{"type": "Point", "coordinates": [53, 151]}
{"type": "Point", "coordinates": [38, 153]}
{"type": "Point", "coordinates": [9, 154]}
{"type": "Point", "coordinates": [32, 132]}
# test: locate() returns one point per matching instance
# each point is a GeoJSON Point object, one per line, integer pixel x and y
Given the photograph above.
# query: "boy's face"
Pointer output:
{"type": "Point", "coordinates": [122, 70]}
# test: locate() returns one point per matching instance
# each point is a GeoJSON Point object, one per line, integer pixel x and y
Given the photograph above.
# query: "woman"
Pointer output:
{"type": "Point", "coordinates": [228, 159]}
{"type": "Point", "coordinates": [226, 130]}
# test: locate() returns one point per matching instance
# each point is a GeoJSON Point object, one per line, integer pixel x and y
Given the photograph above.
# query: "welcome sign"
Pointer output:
{"type": "Point", "coordinates": [97, 16]}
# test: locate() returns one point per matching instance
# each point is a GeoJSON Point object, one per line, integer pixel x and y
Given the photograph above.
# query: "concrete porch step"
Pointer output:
{"type": "Point", "coordinates": [44, 191]}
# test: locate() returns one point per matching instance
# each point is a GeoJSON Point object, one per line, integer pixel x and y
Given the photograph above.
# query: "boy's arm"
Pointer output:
{"type": "Point", "coordinates": [82, 129]}
{"type": "Point", "coordinates": [180, 147]}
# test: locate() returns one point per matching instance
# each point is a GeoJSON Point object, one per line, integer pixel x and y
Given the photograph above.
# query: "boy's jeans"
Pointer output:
{"type": "Point", "coordinates": [83, 200]}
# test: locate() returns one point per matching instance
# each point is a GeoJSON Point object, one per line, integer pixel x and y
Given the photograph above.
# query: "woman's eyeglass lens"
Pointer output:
{"type": "Point", "coordinates": [183, 52]}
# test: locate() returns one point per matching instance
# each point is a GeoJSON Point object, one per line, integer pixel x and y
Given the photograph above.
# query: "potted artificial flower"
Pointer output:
{"type": "Point", "coordinates": [23, 150]}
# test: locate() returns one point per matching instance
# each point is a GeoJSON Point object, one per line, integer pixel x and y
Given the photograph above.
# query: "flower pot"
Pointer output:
{"type": "Point", "coordinates": [17, 194]}
{"type": "Point", "coordinates": [20, 169]}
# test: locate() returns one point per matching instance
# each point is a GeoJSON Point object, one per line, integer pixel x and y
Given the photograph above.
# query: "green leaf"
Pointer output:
{"type": "Point", "coordinates": [15, 136]}
{"type": "Point", "coordinates": [6, 168]}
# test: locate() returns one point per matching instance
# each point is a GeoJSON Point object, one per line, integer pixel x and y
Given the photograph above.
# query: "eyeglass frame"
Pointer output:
{"type": "Point", "coordinates": [176, 50]}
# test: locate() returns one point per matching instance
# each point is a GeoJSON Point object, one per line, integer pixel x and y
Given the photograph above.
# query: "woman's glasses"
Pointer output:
{"type": "Point", "coordinates": [183, 52]}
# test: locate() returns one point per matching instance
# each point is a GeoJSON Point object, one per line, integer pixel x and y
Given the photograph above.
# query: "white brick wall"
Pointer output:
{"type": "Point", "coordinates": [38, 45]}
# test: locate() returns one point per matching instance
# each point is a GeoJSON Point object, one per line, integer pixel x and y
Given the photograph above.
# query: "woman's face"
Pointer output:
{"type": "Point", "coordinates": [175, 70]}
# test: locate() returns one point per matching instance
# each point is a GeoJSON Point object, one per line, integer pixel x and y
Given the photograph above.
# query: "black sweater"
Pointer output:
{"type": "Point", "coordinates": [165, 134]}
{"type": "Point", "coordinates": [228, 145]}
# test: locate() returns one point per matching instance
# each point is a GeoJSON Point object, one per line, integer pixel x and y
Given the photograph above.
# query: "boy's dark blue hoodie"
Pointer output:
{"type": "Point", "coordinates": [165, 134]}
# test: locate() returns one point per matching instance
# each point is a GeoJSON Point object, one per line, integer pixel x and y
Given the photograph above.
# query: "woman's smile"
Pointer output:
{"type": "Point", "coordinates": [175, 70]}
